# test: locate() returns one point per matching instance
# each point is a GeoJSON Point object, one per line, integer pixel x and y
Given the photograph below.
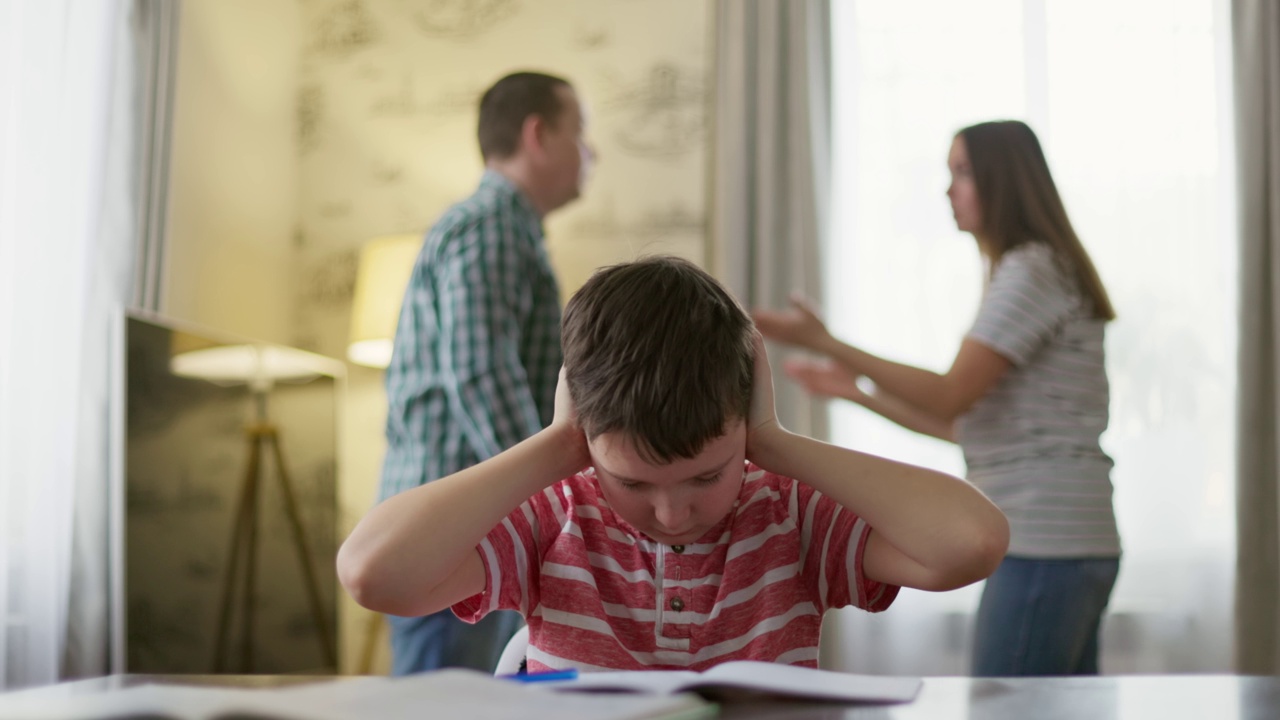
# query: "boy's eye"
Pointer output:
{"type": "Point", "coordinates": [628, 485]}
{"type": "Point", "coordinates": [708, 480]}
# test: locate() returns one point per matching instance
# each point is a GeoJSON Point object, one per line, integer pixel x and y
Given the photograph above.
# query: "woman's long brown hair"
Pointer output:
{"type": "Point", "coordinates": [1020, 203]}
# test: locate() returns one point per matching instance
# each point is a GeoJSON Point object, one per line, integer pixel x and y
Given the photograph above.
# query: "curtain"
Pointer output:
{"type": "Point", "coordinates": [153, 49]}
{"type": "Point", "coordinates": [771, 169]}
{"type": "Point", "coordinates": [70, 215]}
{"type": "Point", "coordinates": [1109, 88]}
{"type": "Point", "coordinates": [1256, 38]}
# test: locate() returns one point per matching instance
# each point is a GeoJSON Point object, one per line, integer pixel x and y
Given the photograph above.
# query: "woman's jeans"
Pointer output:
{"type": "Point", "coordinates": [1041, 617]}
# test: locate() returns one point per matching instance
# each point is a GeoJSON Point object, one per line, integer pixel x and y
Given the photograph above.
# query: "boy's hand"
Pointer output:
{"type": "Point", "coordinates": [762, 418]}
{"type": "Point", "coordinates": [565, 424]}
{"type": "Point", "coordinates": [798, 326]}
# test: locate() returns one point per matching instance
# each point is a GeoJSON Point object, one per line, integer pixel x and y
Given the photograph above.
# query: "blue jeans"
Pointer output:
{"type": "Point", "coordinates": [1041, 617]}
{"type": "Point", "coordinates": [441, 640]}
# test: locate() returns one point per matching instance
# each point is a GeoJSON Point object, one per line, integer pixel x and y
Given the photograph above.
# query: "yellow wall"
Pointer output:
{"type": "Point", "coordinates": [303, 129]}
{"type": "Point", "coordinates": [233, 173]}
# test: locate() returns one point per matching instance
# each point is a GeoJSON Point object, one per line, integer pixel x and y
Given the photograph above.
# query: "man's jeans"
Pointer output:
{"type": "Point", "coordinates": [442, 640]}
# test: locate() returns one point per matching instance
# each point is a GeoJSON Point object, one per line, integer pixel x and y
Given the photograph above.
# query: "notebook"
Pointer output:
{"type": "Point", "coordinates": [748, 679]}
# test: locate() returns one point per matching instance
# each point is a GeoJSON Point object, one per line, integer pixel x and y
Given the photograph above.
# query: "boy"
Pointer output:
{"type": "Point", "coordinates": [664, 520]}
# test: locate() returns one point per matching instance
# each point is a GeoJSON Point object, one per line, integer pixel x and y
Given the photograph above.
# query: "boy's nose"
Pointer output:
{"type": "Point", "coordinates": [671, 515]}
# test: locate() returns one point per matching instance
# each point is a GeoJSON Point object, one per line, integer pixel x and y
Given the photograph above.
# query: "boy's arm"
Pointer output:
{"type": "Point", "coordinates": [931, 531]}
{"type": "Point", "coordinates": [414, 553]}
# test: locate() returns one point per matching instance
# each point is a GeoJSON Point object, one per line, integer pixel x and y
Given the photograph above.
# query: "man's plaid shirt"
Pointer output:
{"type": "Point", "coordinates": [477, 349]}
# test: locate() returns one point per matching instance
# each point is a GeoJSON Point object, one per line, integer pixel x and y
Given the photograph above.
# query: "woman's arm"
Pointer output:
{"type": "Point", "coordinates": [975, 370]}
{"type": "Point", "coordinates": [414, 553]}
{"type": "Point", "coordinates": [931, 531]}
{"type": "Point", "coordinates": [826, 378]}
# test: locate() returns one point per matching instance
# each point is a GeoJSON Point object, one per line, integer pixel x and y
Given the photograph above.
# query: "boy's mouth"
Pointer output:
{"type": "Point", "coordinates": [676, 538]}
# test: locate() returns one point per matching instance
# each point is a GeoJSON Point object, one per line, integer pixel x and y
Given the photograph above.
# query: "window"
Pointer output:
{"type": "Point", "coordinates": [1131, 100]}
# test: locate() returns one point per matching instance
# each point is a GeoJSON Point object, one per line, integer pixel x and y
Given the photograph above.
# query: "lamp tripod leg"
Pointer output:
{"type": "Point", "coordinates": [304, 557]}
{"type": "Point", "coordinates": [239, 536]}
{"type": "Point", "coordinates": [251, 559]}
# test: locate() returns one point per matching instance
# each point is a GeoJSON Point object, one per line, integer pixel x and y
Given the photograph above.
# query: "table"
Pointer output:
{"type": "Point", "coordinates": [1117, 697]}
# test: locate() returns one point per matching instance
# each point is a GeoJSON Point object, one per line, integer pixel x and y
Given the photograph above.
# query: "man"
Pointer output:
{"type": "Point", "coordinates": [477, 350]}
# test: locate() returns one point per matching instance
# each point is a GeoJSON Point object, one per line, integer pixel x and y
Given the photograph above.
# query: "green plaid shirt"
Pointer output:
{"type": "Point", "coordinates": [477, 349]}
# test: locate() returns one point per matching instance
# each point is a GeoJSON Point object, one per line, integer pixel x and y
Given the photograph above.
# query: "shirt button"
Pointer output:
{"type": "Point", "coordinates": [677, 549]}
{"type": "Point", "coordinates": [677, 604]}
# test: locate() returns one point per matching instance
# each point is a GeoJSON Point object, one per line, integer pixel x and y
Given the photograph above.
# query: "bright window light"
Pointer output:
{"type": "Point", "coordinates": [1131, 99]}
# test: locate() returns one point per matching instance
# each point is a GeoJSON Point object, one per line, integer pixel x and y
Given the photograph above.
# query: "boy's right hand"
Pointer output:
{"type": "Point", "coordinates": [565, 425]}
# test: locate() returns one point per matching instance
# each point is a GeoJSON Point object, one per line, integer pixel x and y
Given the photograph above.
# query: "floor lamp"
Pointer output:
{"type": "Point", "coordinates": [385, 265]}
{"type": "Point", "coordinates": [260, 367]}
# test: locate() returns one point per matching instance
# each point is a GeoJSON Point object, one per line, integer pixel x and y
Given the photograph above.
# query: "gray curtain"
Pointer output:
{"type": "Point", "coordinates": [154, 24]}
{"type": "Point", "coordinates": [772, 154]}
{"type": "Point", "coordinates": [127, 266]}
{"type": "Point", "coordinates": [1256, 48]}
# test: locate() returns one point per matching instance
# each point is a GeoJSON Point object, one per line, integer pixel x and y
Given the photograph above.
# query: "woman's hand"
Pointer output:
{"type": "Point", "coordinates": [825, 378]}
{"type": "Point", "coordinates": [799, 325]}
{"type": "Point", "coordinates": [565, 424]}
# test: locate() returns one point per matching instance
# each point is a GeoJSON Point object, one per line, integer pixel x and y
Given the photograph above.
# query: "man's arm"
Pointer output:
{"type": "Point", "coordinates": [931, 531]}
{"type": "Point", "coordinates": [415, 552]}
{"type": "Point", "coordinates": [485, 294]}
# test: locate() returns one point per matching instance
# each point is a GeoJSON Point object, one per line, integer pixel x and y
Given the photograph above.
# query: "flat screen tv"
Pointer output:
{"type": "Point", "coordinates": [224, 531]}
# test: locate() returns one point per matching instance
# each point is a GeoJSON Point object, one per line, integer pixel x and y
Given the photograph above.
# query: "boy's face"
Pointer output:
{"type": "Point", "coordinates": [675, 504]}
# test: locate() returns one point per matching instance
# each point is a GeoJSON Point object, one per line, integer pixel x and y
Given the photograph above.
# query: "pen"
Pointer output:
{"type": "Point", "coordinates": [543, 676]}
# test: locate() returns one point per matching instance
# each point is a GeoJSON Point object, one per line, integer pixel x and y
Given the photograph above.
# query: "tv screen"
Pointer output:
{"type": "Point", "coordinates": [227, 515]}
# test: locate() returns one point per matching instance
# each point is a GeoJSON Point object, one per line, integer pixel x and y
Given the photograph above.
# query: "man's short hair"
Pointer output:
{"type": "Point", "coordinates": [659, 351]}
{"type": "Point", "coordinates": [505, 106]}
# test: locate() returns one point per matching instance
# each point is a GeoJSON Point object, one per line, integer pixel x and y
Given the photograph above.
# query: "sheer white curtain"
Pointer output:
{"type": "Point", "coordinates": [65, 253]}
{"type": "Point", "coordinates": [1131, 99]}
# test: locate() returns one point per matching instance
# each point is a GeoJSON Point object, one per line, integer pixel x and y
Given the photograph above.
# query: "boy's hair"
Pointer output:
{"type": "Point", "coordinates": [504, 107]}
{"type": "Point", "coordinates": [658, 350]}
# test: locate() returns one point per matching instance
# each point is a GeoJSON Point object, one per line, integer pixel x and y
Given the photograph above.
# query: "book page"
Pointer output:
{"type": "Point", "coordinates": [801, 682]}
{"type": "Point", "coordinates": [635, 681]}
{"type": "Point", "coordinates": [445, 693]}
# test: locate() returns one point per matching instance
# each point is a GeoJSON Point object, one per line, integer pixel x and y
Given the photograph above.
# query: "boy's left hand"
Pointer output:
{"type": "Point", "coordinates": [762, 418]}
{"type": "Point", "coordinates": [565, 424]}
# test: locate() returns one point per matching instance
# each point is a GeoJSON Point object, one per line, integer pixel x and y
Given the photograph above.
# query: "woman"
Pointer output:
{"type": "Point", "coordinates": [1026, 399]}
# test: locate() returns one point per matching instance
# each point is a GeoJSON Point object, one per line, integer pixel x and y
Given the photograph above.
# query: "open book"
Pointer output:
{"type": "Point", "coordinates": [748, 678]}
{"type": "Point", "coordinates": [443, 694]}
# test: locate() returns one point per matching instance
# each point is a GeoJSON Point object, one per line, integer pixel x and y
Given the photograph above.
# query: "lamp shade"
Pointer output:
{"type": "Point", "coordinates": [255, 365]}
{"type": "Point", "coordinates": [385, 266]}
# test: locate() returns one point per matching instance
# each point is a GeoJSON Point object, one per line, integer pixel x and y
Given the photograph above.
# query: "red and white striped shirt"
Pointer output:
{"type": "Point", "coordinates": [599, 595]}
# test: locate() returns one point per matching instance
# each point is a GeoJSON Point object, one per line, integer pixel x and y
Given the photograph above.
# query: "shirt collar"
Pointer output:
{"type": "Point", "coordinates": [496, 182]}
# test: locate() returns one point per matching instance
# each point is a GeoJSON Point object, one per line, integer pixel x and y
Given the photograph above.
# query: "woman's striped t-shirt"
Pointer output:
{"type": "Point", "coordinates": [598, 594]}
{"type": "Point", "coordinates": [1032, 443]}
